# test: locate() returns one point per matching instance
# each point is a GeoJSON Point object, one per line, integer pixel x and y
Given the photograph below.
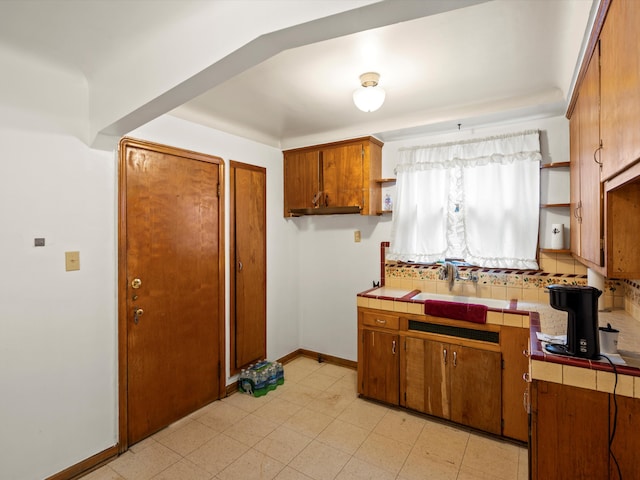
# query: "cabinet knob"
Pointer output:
{"type": "Point", "coordinates": [526, 377]}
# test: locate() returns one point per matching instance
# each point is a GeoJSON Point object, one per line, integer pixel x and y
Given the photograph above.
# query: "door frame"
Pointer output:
{"type": "Point", "coordinates": [122, 288]}
{"type": "Point", "coordinates": [233, 165]}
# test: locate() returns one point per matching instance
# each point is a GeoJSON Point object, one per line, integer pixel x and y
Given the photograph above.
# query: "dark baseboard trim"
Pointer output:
{"type": "Point", "coordinates": [322, 358]}
{"type": "Point", "coordinates": [87, 465]}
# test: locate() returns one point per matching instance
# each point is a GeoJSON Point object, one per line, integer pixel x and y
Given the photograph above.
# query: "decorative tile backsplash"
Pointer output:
{"type": "Point", "coordinates": [529, 286]}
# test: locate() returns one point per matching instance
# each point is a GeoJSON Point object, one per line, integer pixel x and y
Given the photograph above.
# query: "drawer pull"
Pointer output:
{"type": "Point", "coordinates": [380, 321]}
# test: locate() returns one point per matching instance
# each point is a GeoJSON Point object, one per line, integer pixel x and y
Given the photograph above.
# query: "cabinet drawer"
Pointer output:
{"type": "Point", "coordinates": [382, 320]}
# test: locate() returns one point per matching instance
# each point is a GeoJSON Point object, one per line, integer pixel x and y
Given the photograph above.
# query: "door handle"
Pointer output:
{"type": "Point", "coordinates": [136, 283]}
{"type": "Point", "coordinates": [393, 347]}
{"type": "Point", "coordinates": [444, 355]}
{"type": "Point", "coordinates": [455, 359]}
{"type": "Point", "coordinates": [137, 313]}
{"type": "Point", "coordinates": [240, 266]}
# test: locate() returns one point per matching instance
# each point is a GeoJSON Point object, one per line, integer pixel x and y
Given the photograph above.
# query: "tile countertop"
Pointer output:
{"type": "Point", "coordinates": [545, 319]}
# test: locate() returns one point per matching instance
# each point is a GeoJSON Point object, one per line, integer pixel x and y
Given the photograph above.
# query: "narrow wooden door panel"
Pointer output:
{"type": "Point", "coordinates": [574, 179]}
{"type": "Point", "coordinates": [301, 180]}
{"type": "Point", "coordinates": [414, 394]}
{"type": "Point", "coordinates": [172, 247]}
{"type": "Point", "coordinates": [342, 175]}
{"type": "Point", "coordinates": [249, 289]}
{"type": "Point", "coordinates": [514, 341]}
{"type": "Point", "coordinates": [437, 389]}
{"type": "Point", "coordinates": [591, 227]}
{"type": "Point", "coordinates": [482, 408]}
{"type": "Point", "coordinates": [382, 366]}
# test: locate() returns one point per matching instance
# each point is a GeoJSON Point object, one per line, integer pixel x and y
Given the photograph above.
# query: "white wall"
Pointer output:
{"type": "Point", "coordinates": [57, 328]}
{"type": "Point", "coordinates": [333, 269]}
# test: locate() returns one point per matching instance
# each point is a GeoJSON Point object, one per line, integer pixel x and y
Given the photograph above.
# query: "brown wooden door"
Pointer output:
{"type": "Point", "coordinates": [381, 366]}
{"type": "Point", "coordinates": [301, 179]}
{"type": "Point", "coordinates": [249, 275]}
{"type": "Point", "coordinates": [475, 388]}
{"type": "Point", "coordinates": [342, 176]}
{"type": "Point", "coordinates": [171, 241]}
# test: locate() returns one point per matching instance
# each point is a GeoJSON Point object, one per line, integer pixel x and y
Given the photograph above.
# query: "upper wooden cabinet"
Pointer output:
{"type": "Point", "coordinates": [605, 145]}
{"type": "Point", "coordinates": [337, 177]}
{"type": "Point", "coordinates": [620, 87]}
{"type": "Point", "coordinates": [587, 227]}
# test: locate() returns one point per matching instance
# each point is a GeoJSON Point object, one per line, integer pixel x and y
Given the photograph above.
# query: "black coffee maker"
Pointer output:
{"type": "Point", "coordinates": [581, 303]}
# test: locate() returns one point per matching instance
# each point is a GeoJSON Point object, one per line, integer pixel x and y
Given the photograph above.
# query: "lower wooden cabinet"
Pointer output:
{"type": "Point", "coordinates": [378, 356]}
{"type": "Point", "coordinates": [469, 374]}
{"type": "Point", "coordinates": [451, 381]}
{"type": "Point", "coordinates": [570, 432]}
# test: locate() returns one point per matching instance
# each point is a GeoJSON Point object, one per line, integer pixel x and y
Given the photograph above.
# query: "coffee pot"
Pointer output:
{"type": "Point", "coordinates": [581, 304]}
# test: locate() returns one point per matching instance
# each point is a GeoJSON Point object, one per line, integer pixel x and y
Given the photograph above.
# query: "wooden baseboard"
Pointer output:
{"type": "Point", "coordinates": [86, 465]}
{"type": "Point", "coordinates": [322, 358]}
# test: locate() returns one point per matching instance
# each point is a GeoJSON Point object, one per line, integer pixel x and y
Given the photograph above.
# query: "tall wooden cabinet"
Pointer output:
{"type": "Point", "coordinates": [587, 227]}
{"type": "Point", "coordinates": [620, 87]}
{"type": "Point", "coordinates": [605, 145]}
{"type": "Point", "coordinates": [336, 177]}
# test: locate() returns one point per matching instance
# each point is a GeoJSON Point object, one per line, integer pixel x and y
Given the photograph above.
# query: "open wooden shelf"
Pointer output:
{"type": "Point", "coordinates": [385, 180]}
{"type": "Point", "coordinates": [556, 165]}
{"type": "Point", "coordinates": [555, 250]}
{"type": "Point", "coordinates": [555, 205]}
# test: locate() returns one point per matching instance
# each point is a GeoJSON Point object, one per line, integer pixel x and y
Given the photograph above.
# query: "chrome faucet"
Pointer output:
{"type": "Point", "coordinates": [449, 271]}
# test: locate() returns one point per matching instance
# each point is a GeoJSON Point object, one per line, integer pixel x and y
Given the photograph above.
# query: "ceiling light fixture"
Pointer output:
{"type": "Point", "coordinates": [369, 97]}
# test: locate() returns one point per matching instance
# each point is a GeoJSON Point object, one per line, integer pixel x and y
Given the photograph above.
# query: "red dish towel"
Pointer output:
{"type": "Point", "coordinates": [457, 311]}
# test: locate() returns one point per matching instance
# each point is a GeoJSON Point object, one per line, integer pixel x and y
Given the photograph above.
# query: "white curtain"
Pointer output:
{"type": "Point", "coordinates": [478, 200]}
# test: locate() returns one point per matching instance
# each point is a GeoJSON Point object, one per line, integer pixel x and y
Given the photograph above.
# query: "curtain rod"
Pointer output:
{"type": "Point", "coordinates": [473, 140]}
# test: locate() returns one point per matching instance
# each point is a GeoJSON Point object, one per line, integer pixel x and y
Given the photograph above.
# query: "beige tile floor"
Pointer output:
{"type": "Point", "coordinates": [314, 427]}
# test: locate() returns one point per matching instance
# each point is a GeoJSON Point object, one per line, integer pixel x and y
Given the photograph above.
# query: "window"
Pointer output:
{"type": "Point", "coordinates": [477, 200]}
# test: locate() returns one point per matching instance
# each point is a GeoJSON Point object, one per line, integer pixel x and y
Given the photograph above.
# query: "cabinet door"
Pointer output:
{"type": "Point", "coordinates": [569, 432]}
{"type": "Point", "coordinates": [342, 176]}
{"type": "Point", "coordinates": [381, 366]}
{"type": "Point", "coordinates": [476, 388]}
{"type": "Point", "coordinates": [425, 376]}
{"type": "Point", "coordinates": [620, 87]}
{"type": "Point", "coordinates": [591, 228]}
{"type": "Point", "coordinates": [301, 179]}
{"type": "Point", "coordinates": [513, 342]}
{"type": "Point", "coordinates": [574, 178]}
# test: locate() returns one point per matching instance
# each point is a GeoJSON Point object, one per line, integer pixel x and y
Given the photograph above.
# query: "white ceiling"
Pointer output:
{"type": "Point", "coordinates": [485, 63]}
